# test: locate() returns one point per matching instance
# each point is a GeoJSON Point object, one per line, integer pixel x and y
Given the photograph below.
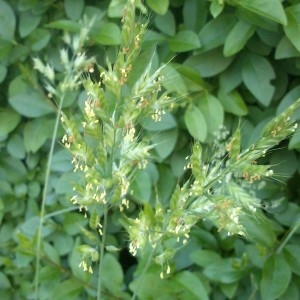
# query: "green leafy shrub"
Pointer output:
{"type": "Point", "coordinates": [227, 63]}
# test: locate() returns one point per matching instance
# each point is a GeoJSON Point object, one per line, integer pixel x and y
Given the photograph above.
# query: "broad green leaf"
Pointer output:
{"type": "Point", "coordinates": [140, 188]}
{"type": "Point", "coordinates": [115, 8]}
{"type": "Point", "coordinates": [256, 256]}
{"type": "Point", "coordinates": [283, 168]}
{"type": "Point", "coordinates": [271, 9]}
{"type": "Point", "coordinates": [61, 161]}
{"type": "Point", "coordinates": [291, 293]}
{"type": "Point", "coordinates": [28, 22]}
{"type": "Point", "coordinates": [4, 282]}
{"type": "Point", "coordinates": [257, 73]}
{"type": "Point", "coordinates": [229, 290]}
{"type": "Point", "coordinates": [193, 284]}
{"type": "Point", "coordinates": [192, 79]}
{"type": "Point", "coordinates": [223, 271]}
{"type": "Point", "coordinates": [164, 142]}
{"type": "Point", "coordinates": [36, 132]}
{"type": "Point", "coordinates": [38, 39]}
{"type": "Point", "coordinates": [195, 123]}
{"type": "Point", "coordinates": [7, 21]}
{"type": "Point", "coordinates": [15, 146]}
{"type": "Point", "coordinates": [167, 122]}
{"type": "Point", "coordinates": [12, 169]}
{"type": "Point", "coordinates": [172, 80]}
{"type": "Point", "coordinates": [185, 40]}
{"type": "Point", "coordinates": [276, 276]}
{"type": "Point", "coordinates": [259, 229]}
{"type": "Point", "coordinates": [257, 20]}
{"type": "Point", "coordinates": [31, 104]}
{"type": "Point", "coordinates": [216, 7]}
{"type": "Point", "coordinates": [270, 38]}
{"type": "Point", "coordinates": [69, 289]}
{"type": "Point", "coordinates": [107, 34]}
{"type": "Point", "coordinates": [285, 49]}
{"type": "Point", "coordinates": [73, 9]}
{"type": "Point", "coordinates": [112, 274]}
{"type": "Point", "coordinates": [9, 120]}
{"type": "Point", "coordinates": [66, 25]}
{"type": "Point", "coordinates": [233, 103]}
{"type": "Point", "coordinates": [294, 142]}
{"type": "Point", "coordinates": [3, 72]}
{"type": "Point", "coordinates": [204, 258]}
{"type": "Point", "coordinates": [293, 26]}
{"type": "Point", "coordinates": [291, 253]}
{"type": "Point", "coordinates": [160, 7]}
{"type": "Point", "coordinates": [231, 77]}
{"type": "Point", "coordinates": [214, 33]}
{"type": "Point", "coordinates": [165, 185]}
{"type": "Point", "coordinates": [210, 63]}
{"type": "Point", "coordinates": [194, 14]}
{"type": "Point", "coordinates": [238, 37]}
{"type": "Point", "coordinates": [288, 216]}
{"type": "Point", "coordinates": [212, 111]}
{"type": "Point", "coordinates": [290, 97]}
{"type": "Point", "coordinates": [166, 23]}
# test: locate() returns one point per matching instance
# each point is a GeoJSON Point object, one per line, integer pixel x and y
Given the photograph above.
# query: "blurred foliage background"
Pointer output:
{"type": "Point", "coordinates": [229, 60]}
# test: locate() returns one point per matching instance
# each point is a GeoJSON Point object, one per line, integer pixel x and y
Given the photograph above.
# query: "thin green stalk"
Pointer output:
{"type": "Point", "coordinates": [145, 269]}
{"type": "Point", "coordinates": [44, 195]}
{"type": "Point", "coordinates": [102, 248]}
{"type": "Point", "coordinates": [288, 236]}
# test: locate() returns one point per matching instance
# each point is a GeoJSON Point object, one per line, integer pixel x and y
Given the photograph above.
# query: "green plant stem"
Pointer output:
{"type": "Point", "coordinates": [288, 236]}
{"type": "Point", "coordinates": [102, 248]}
{"type": "Point", "coordinates": [149, 260]}
{"type": "Point", "coordinates": [44, 195]}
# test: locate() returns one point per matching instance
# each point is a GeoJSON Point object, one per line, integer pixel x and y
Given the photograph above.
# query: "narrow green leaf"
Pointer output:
{"type": "Point", "coordinates": [193, 284]}
{"type": "Point", "coordinates": [160, 7]}
{"type": "Point", "coordinates": [271, 9]}
{"type": "Point", "coordinates": [276, 276]}
{"type": "Point", "coordinates": [238, 37]}
{"type": "Point", "coordinates": [7, 22]}
{"type": "Point", "coordinates": [257, 73]}
{"type": "Point", "coordinates": [66, 25]}
{"type": "Point", "coordinates": [195, 123]}
{"type": "Point", "coordinates": [9, 119]}
{"type": "Point", "coordinates": [293, 26]}
{"type": "Point", "coordinates": [185, 40]}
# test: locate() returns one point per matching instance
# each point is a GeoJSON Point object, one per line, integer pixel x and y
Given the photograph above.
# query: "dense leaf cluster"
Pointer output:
{"type": "Point", "coordinates": [232, 61]}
